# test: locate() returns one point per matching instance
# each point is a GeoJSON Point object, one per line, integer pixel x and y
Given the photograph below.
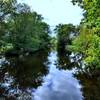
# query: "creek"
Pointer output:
{"type": "Point", "coordinates": [45, 75]}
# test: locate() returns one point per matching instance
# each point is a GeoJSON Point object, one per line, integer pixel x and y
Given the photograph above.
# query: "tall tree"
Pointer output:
{"type": "Point", "coordinates": [88, 41]}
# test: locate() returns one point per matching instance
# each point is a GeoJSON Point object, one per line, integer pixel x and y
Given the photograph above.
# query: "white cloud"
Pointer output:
{"type": "Point", "coordinates": [58, 84]}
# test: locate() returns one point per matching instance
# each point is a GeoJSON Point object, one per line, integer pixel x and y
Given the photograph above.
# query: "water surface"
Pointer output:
{"type": "Point", "coordinates": [45, 75]}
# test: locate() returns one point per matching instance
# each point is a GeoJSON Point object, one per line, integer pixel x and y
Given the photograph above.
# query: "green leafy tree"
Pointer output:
{"type": "Point", "coordinates": [65, 32]}
{"type": "Point", "coordinates": [87, 42]}
{"type": "Point", "coordinates": [91, 13]}
{"type": "Point", "coordinates": [21, 27]}
{"type": "Point", "coordinates": [7, 8]}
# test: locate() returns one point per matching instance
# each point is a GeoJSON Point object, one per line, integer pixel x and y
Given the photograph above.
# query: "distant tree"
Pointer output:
{"type": "Point", "coordinates": [65, 32]}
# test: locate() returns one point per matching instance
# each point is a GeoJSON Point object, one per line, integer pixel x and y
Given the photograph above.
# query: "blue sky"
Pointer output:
{"type": "Point", "coordinates": [56, 11]}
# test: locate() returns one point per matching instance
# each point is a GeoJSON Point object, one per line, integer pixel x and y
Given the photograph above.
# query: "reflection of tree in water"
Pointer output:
{"type": "Point", "coordinates": [64, 60]}
{"type": "Point", "coordinates": [91, 86]}
{"type": "Point", "coordinates": [22, 73]}
{"type": "Point", "coordinates": [58, 84]}
{"type": "Point", "coordinates": [90, 81]}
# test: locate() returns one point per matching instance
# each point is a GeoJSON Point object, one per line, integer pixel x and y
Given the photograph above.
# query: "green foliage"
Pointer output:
{"type": "Point", "coordinates": [21, 27]}
{"type": "Point", "coordinates": [6, 47]}
{"type": "Point", "coordinates": [87, 44]}
{"type": "Point", "coordinates": [88, 41]}
{"type": "Point", "coordinates": [64, 34]}
{"type": "Point", "coordinates": [53, 43]}
{"type": "Point", "coordinates": [91, 13]}
{"type": "Point", "coordinates": [7, 8]}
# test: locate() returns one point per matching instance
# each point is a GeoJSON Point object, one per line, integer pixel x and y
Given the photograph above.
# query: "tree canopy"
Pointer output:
{"type": "Point", "coordinates": [88, 41]}
{"type": "Point", "coordinates": [21, 28]}
{"type": "Point", "coordinates": [65, 32]}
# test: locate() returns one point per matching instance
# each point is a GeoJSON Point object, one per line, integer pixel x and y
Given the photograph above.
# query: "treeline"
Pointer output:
{"type": "Point", "coordinates": [21, 28]}
{"type": "Point", "coordinates": [86, 40]}
{"type": "Point", "coordinates": [65, 34]}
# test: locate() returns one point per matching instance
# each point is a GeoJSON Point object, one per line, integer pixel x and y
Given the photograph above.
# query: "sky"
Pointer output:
{"type": "Point", "coordinates": [56, 11]}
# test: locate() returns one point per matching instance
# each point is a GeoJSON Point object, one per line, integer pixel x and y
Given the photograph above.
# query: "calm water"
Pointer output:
{"type": "Point", "coordinates": [46, 75]}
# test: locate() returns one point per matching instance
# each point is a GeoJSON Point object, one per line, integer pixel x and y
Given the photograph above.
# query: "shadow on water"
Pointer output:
{"type": "Point", "coordinates": [46, 75]}
{"type": "Point", "coordinates": [90, 83]}
{"type": "Point", "coordinates": [91, 86]}
{"type": "Point", "coordinates": [20, 74]}
{"type": "Point", "coordinates": [64, 61]}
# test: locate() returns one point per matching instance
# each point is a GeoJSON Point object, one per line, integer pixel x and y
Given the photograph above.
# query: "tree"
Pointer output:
{"type": "Point", "coordinates": [23, 28]}
{"type": "Point", "coordinates": [65, 32]}
{"type": "Point", "coordinates": [91, 13]}
{"type": "Point", "coordinates": [7, 7]}
{"type": "Point", "coordinates": [87, 42]}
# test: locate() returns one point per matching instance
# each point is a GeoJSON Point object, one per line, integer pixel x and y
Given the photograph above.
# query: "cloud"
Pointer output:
{"type": "Point", "coordinates": [59, 85]}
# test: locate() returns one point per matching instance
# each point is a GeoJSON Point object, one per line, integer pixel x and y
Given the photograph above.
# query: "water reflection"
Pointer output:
{"type": "Point", "coordinates": [37, 77]}
{"type": "Point", "coordinates": [21, 74]}
{"type": "Point", "coordinates": [91, 86]}
{"type": "Point", "coordinates": [58, 84]}
{"type": "Point", "coordinates": [65, 61]}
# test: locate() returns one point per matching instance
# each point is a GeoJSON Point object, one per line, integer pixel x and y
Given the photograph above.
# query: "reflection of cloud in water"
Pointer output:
{"type": "Point", "coordinates": [58, 85]}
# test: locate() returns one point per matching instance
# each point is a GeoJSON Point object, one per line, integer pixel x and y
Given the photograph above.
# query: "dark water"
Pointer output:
{"type": "Point", "coordinates": [46, 75]}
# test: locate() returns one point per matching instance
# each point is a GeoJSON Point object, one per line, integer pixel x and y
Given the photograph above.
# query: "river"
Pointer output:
{"type": "Point", "coordinates": [45, 75]}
